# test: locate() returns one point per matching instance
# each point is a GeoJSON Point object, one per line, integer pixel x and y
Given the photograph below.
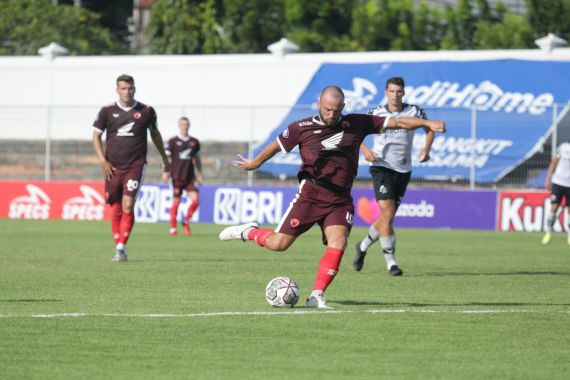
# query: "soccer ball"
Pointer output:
{"type": "Point", "coordinates": [282, 292]}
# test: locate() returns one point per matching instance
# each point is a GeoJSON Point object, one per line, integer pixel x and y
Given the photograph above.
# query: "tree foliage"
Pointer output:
{"type": "Point", "coordinates": [249, 26]}
{"type": "Point", "coordinates": [549, 16]}
{"type": "Point", "coordinates": [26, 25]}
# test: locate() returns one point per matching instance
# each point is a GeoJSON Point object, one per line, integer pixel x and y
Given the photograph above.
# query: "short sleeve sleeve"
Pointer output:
{"type": "Point", "coordinates": [197, 148]}
{"type": "Point", "coordinates": [289, 138]}
{"type": "Point", "coordinates": [375, 124]}
{"type": "Point", "coordinates": [152, 120]}
{"type": "Point", "coordinates": [100, 122]}
{"type": "Point", "coordinates": [422, 113]}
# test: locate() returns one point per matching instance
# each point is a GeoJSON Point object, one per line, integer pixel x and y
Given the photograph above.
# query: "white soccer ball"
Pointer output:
{"type": "Point", "coordinates": [282, 292]}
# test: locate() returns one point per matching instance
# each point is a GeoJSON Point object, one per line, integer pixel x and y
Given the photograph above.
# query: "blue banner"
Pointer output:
{"type": "Point", "coordinates": [513, 101]}
{"type": "Point", "coordinates": [222, 204]}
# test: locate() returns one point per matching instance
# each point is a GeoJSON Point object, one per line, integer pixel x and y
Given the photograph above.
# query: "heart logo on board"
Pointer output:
{"type": "Point", "coordinates": [367, 209]}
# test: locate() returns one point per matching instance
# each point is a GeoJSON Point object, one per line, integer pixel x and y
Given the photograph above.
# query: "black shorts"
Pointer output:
{"type": "Point", "coordinates": [389, 184]}
{"type": "Point", "coordinates": [559, 192]}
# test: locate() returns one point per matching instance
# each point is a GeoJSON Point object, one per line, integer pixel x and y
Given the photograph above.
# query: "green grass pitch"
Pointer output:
{"type": "Point", "coordinates": [474, 305]}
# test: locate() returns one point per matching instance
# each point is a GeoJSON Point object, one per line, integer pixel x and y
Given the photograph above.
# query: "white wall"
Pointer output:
{"type": "Point", "coordinates": [224, 95]}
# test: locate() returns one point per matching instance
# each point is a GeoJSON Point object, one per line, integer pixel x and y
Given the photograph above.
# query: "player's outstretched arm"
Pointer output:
{"type": "Point", "coordinates": [415, 123]}
{"type": "Point", "coordinates": [267, 153]}
{"type": "Point", "coordinates": [159, 143]}
{"type": "Point", "coordinates": [105, 165]}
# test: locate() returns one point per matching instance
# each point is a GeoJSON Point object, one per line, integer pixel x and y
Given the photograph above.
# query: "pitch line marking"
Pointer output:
{"type": "Point", "coordinates": [272, 313]}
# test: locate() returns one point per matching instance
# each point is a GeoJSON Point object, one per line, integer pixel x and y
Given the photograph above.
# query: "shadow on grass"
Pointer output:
{"type": "Point", "coordinates": [524, 273]}
{"type": "Point", "coordinates": [28, 301]}
{"type": "Point", "coordinates": [202, 260]}
{"type": "Point", "coordinates": [417, 304]}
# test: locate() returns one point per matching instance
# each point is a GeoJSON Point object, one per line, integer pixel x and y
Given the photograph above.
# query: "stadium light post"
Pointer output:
{"type": "Point", "coordinates": [49, 52]}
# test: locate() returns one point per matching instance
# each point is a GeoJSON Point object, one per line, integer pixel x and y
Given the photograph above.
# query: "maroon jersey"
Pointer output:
{"type": "Point", "coordinates": [330, 153]}
{"type": "Point", "coordinates": [182, 150]}
{"type": "Point", "coordinates": [126, 141]}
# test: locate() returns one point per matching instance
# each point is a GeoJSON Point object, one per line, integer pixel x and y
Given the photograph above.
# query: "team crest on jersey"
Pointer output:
{"type": "Point", "coordinates": [294, 222]}
{"type": "Point", "coordinates": [333, 141]}
{"type": "Point", "coordinates": [137, 115]}
{"type": "Point", "coordinates": [344, 124]}
{"type": "Point", "coordinates": [285, 133]}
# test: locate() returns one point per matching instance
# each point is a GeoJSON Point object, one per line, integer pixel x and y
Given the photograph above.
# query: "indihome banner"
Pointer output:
{"type": "Point", "coordinates": [513, 101]}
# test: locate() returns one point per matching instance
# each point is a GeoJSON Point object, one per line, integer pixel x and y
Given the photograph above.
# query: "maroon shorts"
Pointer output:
{"type": "Point", "coordinates": [316, 204]}
{"type": "Point", "coordinates": [124, 182]}
{"type": "Point", "coordinates": [179, 186]}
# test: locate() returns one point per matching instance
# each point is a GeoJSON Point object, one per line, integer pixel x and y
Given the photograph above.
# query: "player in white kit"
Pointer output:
{"type": "Point", "coordinates": [391, 166]}
{"type": "Point", "coordinates": [558, 183]}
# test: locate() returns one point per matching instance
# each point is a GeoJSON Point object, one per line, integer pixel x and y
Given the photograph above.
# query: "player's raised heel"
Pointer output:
{"type": "Point", "coordinates": [318, 302]}
{"type": "Point", "coordinates": [235, 232]}
{"type": "Point", "coordinates": [359, 258]}
{"type": "Point", "coordinates": [546, 239]}
{"type": "Point", "coordinates": [120, 256]}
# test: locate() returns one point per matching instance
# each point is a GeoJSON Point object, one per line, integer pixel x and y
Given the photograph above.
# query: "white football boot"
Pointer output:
{"type": "Point", "coordinates": [317, 301]}
{"type": "Point", "coordinates": [236, 232]}
{"type": "Point", "coordinates": [120, 255]}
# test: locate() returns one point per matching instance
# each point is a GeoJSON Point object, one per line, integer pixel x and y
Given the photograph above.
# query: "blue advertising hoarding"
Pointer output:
{"type": "Point", "coordinates": [226, 204]}
{"type": "Point", "coordinates": [513, 101]}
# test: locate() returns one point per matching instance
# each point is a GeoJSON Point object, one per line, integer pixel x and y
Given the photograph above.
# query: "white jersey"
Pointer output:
{"type": "Point", "coordinates": [561, 175]}
{"type": "Point", "coordinates": [393, 147]}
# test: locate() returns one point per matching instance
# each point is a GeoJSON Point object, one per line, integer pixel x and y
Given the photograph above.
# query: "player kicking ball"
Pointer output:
{"type": "Point", "coordinates": [328, 144]}
{"type": "Point", "coordinates": [391, 168]}
{"type": "Point", "coordinates": [123, 160]}
{"type": "Point", "coordinates": [186, 173]}
{"type": "Point", "coordinates": [558, 183]}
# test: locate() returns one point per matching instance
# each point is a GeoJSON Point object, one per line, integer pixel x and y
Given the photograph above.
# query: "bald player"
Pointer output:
{"type": "Point", "coordinates": [328, 144]}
